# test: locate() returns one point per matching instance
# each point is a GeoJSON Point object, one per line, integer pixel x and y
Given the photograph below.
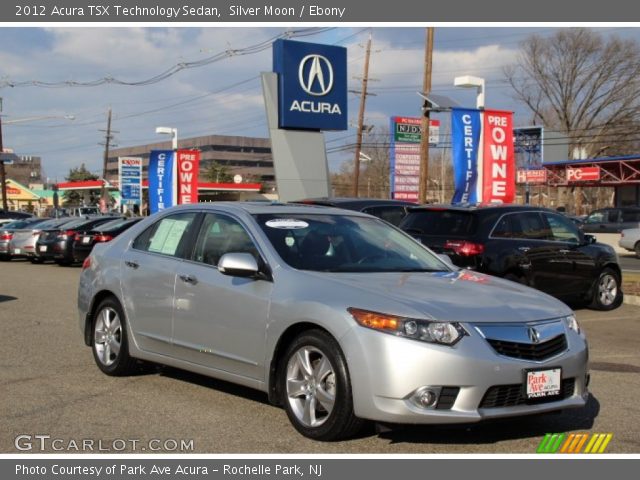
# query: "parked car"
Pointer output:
{"type": "Point", "coordinates": [530, 245]}
{"type": "Point", "coordinates": [336, 315]}
{"type": "Point", "coordinates": [84, 242]}
{"type": "Point", "coordinates": [23, 242]}
{"type": "Point", "coordinates": [392, 211]}
{"type": "Point", "coordinates": [56, 243]}
{"type": "Point", "coordinates": [612, 220]}
{"type": "Point", "coordinates": [7, 232]}
{"type": "Point", "coordinates": [630, 240]}
{"type": "Point", "coordinates": [14, 215]}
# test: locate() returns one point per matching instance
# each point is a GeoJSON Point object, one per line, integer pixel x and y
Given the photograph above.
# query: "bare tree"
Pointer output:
{"type": "Point", "coordinates": [584, 85]}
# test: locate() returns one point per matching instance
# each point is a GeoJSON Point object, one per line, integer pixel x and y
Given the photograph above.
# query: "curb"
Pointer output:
{"type": "Point", "coordinates": [632, 300]}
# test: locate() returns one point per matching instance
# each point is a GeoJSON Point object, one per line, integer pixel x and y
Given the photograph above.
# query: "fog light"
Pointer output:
{"type": "Point", "coordinates": [426, 397]}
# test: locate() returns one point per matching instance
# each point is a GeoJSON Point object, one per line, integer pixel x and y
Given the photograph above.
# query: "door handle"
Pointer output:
{"type": "Point", "coordinates": [524, 249]}
{"type": "Point", "coordinates": [188, 279]}
{"type": "Point", "coordinates": [133, 265]}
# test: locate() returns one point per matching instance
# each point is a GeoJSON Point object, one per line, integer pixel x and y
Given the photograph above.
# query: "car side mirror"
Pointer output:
{"type": "Point", "coordinates": [590, 239]}
{"type": "Point", "coordinates": [238, 265]}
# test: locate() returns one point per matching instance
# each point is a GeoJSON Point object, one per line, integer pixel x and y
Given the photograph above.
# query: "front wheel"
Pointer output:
{"type": "Point", "coordinates": [607, 293]}
{"type": "Point", "coordinates": [314, 381]}
{"type": "Point", "coordinates": [110, 342]}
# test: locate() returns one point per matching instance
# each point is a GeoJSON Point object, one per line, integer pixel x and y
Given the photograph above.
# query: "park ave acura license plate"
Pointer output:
{"type": "Point", "coordinates": [543, 383]}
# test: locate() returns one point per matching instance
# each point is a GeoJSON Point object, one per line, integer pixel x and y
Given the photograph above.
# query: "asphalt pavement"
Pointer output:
{"type": "Point", "coordinates": [50, 386]}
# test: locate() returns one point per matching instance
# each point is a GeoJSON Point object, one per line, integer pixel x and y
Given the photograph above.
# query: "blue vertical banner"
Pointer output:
{"type": "Point", "coordinates": [466, 128]}
{"type": "Point", "coordinates": [162, 180]}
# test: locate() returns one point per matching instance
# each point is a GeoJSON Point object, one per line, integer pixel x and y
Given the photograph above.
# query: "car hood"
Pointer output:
{"type": "Point", "coordinates": [463, 296]}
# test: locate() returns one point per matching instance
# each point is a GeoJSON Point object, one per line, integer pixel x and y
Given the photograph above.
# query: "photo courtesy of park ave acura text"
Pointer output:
{"type": "Point", "coordinates": [315, 238]}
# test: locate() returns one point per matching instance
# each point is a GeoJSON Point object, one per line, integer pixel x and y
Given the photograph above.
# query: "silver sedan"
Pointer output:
{"type": "Point", "coordinates": [336, 315]}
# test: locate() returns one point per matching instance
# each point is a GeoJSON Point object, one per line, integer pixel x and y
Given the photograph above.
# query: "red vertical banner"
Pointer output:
{"type": "Point", "coordinates": [188, 167]}
{"type": "Point", "coordinates": [498, 178]}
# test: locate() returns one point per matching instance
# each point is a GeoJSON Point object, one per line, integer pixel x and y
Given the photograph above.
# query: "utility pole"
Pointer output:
{"type": "Point", "coordinates": [104, 193]}
{"type": "Point", "coordinates": [363, 100]}
{"type": "Point", "coordinates": [424, 138]}
{"type": "Point", "coordinates": [3, 173]}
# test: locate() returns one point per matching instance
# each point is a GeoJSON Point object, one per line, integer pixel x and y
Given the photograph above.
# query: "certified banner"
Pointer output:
{"type": "Point", "coordinates": [483, 156]}
{"type": "Point", "coordinates": [466, 132]}
{"type": "Point", "coordinates": [188, 166]}
{"type": "Point", "coordinates": [162, 180]}
{"type": "Point", "coordinates": [130, 180]}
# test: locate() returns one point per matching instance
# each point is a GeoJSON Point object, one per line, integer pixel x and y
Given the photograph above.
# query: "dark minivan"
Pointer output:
{"type": "Point", "coordinates": [612, 220]}
{"type": "Point", "coordinates": [531, 245]}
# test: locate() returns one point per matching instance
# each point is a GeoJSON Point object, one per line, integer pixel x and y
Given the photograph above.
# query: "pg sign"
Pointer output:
{"type": "Point", "coordinates": [312, 85]}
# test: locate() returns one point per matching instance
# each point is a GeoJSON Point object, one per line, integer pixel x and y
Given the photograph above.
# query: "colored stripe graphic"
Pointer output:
{"type": "Point", "coordinates": [551, 443]}
{"type": "Point", "coordinates": [574, 442]}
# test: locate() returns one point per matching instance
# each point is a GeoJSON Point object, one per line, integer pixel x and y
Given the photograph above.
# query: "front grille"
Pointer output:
{"type": "Point", "coordinates": [447, 398]}
{"type": "Point", "coordinates": [512, 395]}
{"type": "Point", "coordinates": [530, 351]}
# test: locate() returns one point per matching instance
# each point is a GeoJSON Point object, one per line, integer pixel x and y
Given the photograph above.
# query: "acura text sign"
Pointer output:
{"type": "Point", "coordinates": [312, 85]}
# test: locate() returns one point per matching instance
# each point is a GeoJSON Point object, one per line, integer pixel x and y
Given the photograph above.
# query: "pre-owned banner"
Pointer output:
{"type": "Point", "coordinates": [188, 166]}
{"type": "Point", "coordinates": [483, 156]}
{"type": "Point", "coordinates": [466, 132]}
{"type": "Point", "coordinates": [162, 180]}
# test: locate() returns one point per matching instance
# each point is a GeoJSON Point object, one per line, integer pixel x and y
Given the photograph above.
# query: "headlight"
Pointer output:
{"type": "Point", "coordinates": [444, 333]}
{"type": "Point", "coordinates": [571, 322]}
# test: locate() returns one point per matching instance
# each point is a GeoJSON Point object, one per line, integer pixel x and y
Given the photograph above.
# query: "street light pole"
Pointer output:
{"type": "Point", "coordinates": [3, 173]}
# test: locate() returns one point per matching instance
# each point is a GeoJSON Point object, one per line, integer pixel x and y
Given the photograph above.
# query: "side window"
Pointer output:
{"type": "Point", "coordinates": [530, 226]}
{"type": "Point", "coordinates": [220, 234]}
{"type": "Point", "coordinates": [596, 217]}
{"type": "Point", "coordinates": [630, 216]}
{"type": "Point", "coordinates": [390, 213]}
{"type": "Point", "coordinates": [615, 216]}
{"type": "Point", "coordinates": [503, 228]}
{"type": "Point", "coordinates": [167, 236]}
{"type": "Point", "coordinates": [562, 229]}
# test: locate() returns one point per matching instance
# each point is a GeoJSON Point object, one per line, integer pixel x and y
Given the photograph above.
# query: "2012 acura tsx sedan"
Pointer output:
{"type": "Point", "coordinates": [336, 315]}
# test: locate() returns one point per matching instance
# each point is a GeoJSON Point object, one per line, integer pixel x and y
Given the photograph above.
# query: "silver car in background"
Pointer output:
{"type": "Point", "coordinates": [336, 315]}
{"type": "Point", "coordinates": [630, 240]}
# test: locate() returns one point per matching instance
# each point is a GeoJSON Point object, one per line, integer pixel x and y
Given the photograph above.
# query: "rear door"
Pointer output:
{"type": "Point", "coordinates": [148, 276]}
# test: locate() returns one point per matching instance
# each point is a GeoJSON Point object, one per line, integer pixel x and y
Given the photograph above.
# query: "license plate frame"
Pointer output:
{"type": "Point", "coordinates": [542, 383]}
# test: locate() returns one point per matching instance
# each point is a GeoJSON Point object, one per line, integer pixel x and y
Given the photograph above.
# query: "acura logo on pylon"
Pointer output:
{"type": "Point", "coordinates": [315, 82]}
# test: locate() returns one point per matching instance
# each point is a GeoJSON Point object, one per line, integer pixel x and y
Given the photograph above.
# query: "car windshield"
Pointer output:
{"type": "Point", "coordinates": [344, 243]}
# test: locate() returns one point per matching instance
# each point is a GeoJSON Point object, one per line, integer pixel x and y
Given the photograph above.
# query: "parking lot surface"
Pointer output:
{"type": "Point", "coordinates": [49, 385]}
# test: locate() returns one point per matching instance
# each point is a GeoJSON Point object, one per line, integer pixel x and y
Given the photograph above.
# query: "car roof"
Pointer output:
{"type": "Point", "coordinates": [354, 202]}
{"type": "Point", "coordinates": [477, 207]}
{"type": "Point", "coordinates": [253, 208]}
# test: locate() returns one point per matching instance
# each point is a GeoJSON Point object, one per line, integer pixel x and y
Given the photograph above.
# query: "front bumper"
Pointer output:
{"type": "Point", "coordinates": [386, 370]}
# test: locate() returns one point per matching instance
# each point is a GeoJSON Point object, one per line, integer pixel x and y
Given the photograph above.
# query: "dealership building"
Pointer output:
{"type": "Point", "coordinates": [247, 160]}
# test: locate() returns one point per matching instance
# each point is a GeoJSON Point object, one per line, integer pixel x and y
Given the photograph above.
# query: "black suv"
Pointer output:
{"type": "Point", "coordinates": [531, 245]}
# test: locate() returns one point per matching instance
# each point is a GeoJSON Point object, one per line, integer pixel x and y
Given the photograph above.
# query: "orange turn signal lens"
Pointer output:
{"type": "Point", "coordinates": [377, 321]}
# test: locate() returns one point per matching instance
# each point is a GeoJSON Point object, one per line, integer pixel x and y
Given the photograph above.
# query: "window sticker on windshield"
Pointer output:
{"type": "Point", "coordinates": [286, 223]}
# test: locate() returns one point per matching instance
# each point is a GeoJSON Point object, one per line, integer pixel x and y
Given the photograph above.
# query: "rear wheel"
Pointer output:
{"type": "Point", "coordinates": [315, 384]}
{"type": "Point", "coordinates": [607, 293]}
{"type": "Point", "coordinates": [36, 260]}
{"type": "Point", "coordinates": [5, 258]}
{"type": "Point", "coordinates": [110, 343]}
{"type": "Point", "coordinates": [637, 249]}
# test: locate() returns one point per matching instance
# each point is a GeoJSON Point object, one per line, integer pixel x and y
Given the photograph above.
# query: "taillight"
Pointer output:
{"type": "Point", "coordinates": [464, 248]}
{"type": "Point", "coordinates": [77, 237]}
{"type": "Point", "coordinates": [622, 234]}
{"type": "Point", "coordinates": [87, 263]}
{"type": "Point", "coordinates": [103, 238]}
{"type": "Point", "coordinates": [65, 235]}
{"type": "Point", "coordinates": [6, 236]}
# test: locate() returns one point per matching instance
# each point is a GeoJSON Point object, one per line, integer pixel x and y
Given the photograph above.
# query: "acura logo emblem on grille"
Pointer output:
{"type": "Point", "coordinates": [319, 79]}
{"type": "Point", "coordinates": [534, 335]}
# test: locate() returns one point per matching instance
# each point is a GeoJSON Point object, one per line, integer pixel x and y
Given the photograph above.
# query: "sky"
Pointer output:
{"type": "Point", "coordinates": [221, 97]}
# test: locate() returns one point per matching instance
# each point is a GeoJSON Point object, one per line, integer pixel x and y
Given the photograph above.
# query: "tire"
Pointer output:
{"type": "Point", "coordinates": [5, 258]}
{"type": "Point", "coordinates": [36, 260]}
{"type": "Point", "coordinates": [636, 248]}
{"type": "Point", "coordinates": [316, 390]}
{"type": "Point", "coordinates": [607, 291]}
{"type": "Point", "coordinates": [64, 262]}
{"type": "Point", "coordinates": [110, 343]}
